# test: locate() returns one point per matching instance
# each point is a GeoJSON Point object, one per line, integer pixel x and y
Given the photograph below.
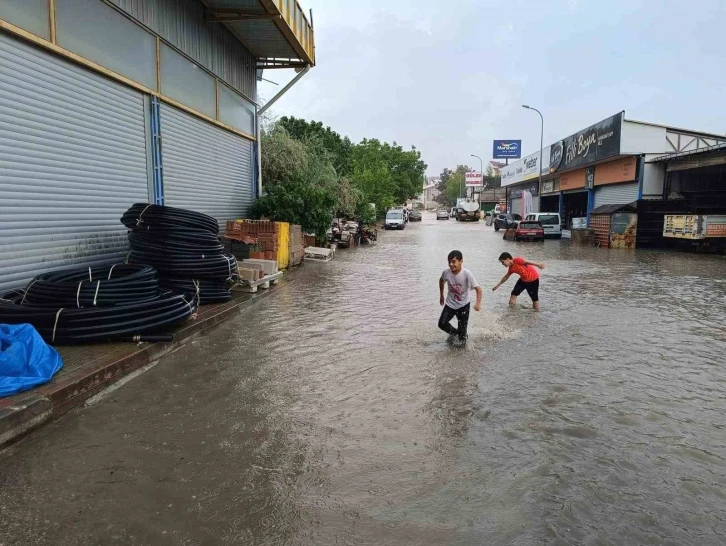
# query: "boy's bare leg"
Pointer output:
{"type": "Point", "coordinates": [512, 301]}
{"type": "Point", "coordinates": [535, 305]}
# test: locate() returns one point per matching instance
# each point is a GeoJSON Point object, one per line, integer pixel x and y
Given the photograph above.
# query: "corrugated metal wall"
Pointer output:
{"type": "Point", "coordinates": [73, 160]}
{"type": "Point", "coordinates": [206, 168]}
{"type": "Point", "coordinates": [181, 23]}
{"type": "Point", "coordinates": [616, 194]}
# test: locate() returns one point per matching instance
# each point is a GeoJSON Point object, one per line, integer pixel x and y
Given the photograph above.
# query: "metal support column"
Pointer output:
{"type": "Point", "coordinates": [156, 157]}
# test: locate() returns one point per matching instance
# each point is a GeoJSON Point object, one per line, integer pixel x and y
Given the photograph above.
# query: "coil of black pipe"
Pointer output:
{"type": "Point", "coordinates": [188, 266]}
{"type": "Point", "coordinates": [171, 241]}
{"type": "Point", "coordinates": [158, 216]}
{"type": "Point", "coordinates": [207, 291]}
{"type": "Point", "coordinates": [93, 287]}
{"type": "Point", "coordinates": [183, 246]}
{"type": "Point", "coordinates": [135, 321]}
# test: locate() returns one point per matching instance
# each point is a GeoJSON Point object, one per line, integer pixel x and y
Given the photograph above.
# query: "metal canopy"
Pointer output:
{"type": "Point", "coordinates": [277, 32]}
{"type": "Point", "coordinates": [678, 155]}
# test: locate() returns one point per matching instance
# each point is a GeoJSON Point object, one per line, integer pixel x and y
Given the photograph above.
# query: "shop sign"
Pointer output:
{"type": "Point", "coordinates": [507, 149]}
{"type": "Point", "coordinates": [622, 170]}
{"type": "Point", "coordinates": [548, 186]}
{"type": "Point", "coordinates": [473, 179]}
{"type": "Point", "coordinates": [573, 180]}
{"type": "Point", "coordinates": [532, 189]}
{"type": "Point", "coordinates": [595, 143]}
{"type": "Point", "coordinates": [524, 169]}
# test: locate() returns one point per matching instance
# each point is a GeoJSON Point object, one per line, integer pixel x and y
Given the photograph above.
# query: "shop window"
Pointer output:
{"type": "Point", "coordinates": [30, 15]}
{"type": "Point", "coordinates": [184, 81]}
{"type": "Point", "coordinates": [236, 111]}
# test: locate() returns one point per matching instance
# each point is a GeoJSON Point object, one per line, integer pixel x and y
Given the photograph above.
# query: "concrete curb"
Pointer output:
{"type": "Point", "coordinates": [25, 412]}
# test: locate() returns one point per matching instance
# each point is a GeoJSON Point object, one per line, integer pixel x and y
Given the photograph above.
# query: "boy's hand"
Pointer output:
{"type": "Point", "coordinates": [541, 266]}
{"type": "Point", "coordinates": [477, 306]}
{"type": "Point", "coordinates": [441, 300]}
{"type": "Point", "coordinates": [495, 288]}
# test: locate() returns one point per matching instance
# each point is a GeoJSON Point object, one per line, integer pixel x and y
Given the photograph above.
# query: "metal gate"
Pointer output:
{"type": "Point", "coordinates": [206, 168]}
{"type": "Point", "coordinates": [616, 194]}
{"type": "Point", "coordinates": [73, 160]}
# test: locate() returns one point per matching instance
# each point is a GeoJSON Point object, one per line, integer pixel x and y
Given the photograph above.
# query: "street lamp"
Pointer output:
{"type": "Point", "coordinates": [481, 172]}
{"type": "Point", "coordinates": [541, 142]}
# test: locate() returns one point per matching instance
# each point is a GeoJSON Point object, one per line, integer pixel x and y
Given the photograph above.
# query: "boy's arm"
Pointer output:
{"type": "Point", "coordinates": [442, 282]}
{"type": "Point", "coordinates": [504, 279]}
{"type": "Point", "coordinates": [479, 293]}
{"type": "Point", "coordinates": [536, 264]}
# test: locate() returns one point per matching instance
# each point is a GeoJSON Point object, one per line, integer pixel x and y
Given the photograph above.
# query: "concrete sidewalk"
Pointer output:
{"type": "Point", "coordinates": [89, 369]}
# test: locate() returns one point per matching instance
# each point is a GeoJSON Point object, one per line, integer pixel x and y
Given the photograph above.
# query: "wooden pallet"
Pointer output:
{"type": "Point", "coordinates": [265, 283]}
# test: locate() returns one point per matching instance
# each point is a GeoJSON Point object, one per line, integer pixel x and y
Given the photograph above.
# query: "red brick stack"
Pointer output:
{"type": "Point", "coordinates": [297, 245]}
{"type": "Point", "coordinates": [263, 233]}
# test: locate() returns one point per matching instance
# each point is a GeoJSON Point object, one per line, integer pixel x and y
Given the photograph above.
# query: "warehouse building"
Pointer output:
{"type": "Point", "coordinates": [105, 103]}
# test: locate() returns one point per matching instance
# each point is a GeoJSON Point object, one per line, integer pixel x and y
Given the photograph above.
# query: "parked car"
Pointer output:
{"type": "Point", "coordinates": [528, 231]}
{"type": "Point", "coordinates": [504, 221]}
{"type": "Point", "coordinates": [443, 214]}
{"type": "Point", "coordinates": [452, 212]}
{"type": "Point", "coordinates": [551, 223]}
{"type": "Point", "coordinates": [395, 219]}
{"type": "Point", "coordinates": [415, 216]}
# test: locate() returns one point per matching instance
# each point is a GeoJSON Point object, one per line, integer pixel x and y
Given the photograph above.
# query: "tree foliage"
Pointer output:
{"type": "Point", "coordinates": [340, 148]}
{"type": "Point", "coordinates": [310, 173]}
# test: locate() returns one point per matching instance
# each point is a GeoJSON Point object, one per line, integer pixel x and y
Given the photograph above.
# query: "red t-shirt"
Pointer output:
{"type": "Point", "coordinates": [526, 272]}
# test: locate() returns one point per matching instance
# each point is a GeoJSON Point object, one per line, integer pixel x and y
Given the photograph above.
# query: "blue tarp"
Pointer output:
{"type": "Point", "coordinates": [25, 359]}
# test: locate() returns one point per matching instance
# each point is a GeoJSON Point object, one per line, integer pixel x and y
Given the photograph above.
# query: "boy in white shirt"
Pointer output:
{"type": "Point", "coordinates": [457, 303]}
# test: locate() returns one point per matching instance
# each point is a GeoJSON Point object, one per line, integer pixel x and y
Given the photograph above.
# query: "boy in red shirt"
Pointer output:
{"type": "Point", "coordinates": [528, 278]}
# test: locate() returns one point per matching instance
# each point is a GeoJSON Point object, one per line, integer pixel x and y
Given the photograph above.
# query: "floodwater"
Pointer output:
{"type": "Point", "coordinates": [335, 412]}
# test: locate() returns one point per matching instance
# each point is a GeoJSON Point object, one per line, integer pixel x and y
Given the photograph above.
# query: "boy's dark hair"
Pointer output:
{"type": "Point", "coordinates": [505, 256]}
{"type": "Point", "coordinates": [456, 254]}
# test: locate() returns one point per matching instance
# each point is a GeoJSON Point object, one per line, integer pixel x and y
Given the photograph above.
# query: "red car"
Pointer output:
{"type": "Point", "coordinates": [529, 231]}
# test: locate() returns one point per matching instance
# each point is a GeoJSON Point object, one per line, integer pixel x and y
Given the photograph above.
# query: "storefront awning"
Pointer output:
{"type": "Point", "coordinates": [277, 32]}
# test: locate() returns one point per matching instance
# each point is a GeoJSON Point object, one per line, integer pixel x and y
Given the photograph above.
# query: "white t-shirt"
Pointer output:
{"type": "Point", "coordinates": [459, 287]}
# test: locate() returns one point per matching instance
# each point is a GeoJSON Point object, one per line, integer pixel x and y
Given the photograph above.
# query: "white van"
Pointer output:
{"type": "Point", "coordinates": [395, 219]}
{"type": "Point", "coordinates": [551, 223]}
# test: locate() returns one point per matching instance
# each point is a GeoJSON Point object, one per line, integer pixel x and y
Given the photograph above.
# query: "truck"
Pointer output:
{"type": "Point", "coordinates": [694, 226]}
{"type": "Point", "coordinates": [468, 211]}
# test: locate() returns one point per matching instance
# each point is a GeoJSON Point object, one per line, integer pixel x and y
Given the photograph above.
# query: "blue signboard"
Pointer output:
{"type": "Point", "coordinates": [507, 149]}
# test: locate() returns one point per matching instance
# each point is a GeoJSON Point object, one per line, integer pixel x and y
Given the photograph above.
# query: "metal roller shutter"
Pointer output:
{"type": "Point", "coordinates": [206, 168]}
{"type": "Point", "coordinates": [73, 159]}
{"type": "Point", "coordinates": [535, 203]}
{"type": "Point", "coordinates": [616, 194]}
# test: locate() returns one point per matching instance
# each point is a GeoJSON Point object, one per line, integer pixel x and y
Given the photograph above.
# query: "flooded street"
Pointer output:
{"type": "Point", "coordinates": [335, 412]}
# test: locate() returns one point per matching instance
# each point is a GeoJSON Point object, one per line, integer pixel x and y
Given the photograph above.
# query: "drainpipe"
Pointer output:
{"type": "Point", "coordinates": [261, 111]}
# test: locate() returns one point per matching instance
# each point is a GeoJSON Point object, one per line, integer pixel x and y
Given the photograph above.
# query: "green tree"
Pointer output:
{"type": "Point", "coordinates": [305, 191]}
{"type": "Point", "coordinates": [339, 147]}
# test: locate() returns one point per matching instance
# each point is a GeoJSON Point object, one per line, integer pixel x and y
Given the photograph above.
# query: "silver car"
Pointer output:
{"type": "Point", "coordinates": [442, 215]}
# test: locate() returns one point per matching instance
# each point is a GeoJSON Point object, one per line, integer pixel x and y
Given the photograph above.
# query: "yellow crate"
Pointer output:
{"type": "Point", "coordinates": [283, 245]}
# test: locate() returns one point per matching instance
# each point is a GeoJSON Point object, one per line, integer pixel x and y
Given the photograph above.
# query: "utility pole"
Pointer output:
{"type": "Point", "coordinates": [481, 173]}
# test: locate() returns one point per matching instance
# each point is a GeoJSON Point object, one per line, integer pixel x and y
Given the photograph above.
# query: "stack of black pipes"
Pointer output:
{"type": "Point", "coordinates": [122, 302]}
{"type": "Point", "coordinates": [184, 247]}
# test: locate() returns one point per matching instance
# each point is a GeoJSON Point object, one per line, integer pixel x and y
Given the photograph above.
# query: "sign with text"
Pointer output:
{"type": "Point", "coordinates": [473, 179]}
{"type": "Point", "coordinates": [507, 149]}
{"type": "Point", "coordinates": [524, 169]}
{"type": "Point", "coordinates": [595, 143]}
{"type": "Point", "coordinates": [533, 189]}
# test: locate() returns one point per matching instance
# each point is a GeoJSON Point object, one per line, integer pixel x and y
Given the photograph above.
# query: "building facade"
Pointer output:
{"type": "Point", "coordinates": [108, 103]}
{"type": "Point", "coordinates": [608, 163]}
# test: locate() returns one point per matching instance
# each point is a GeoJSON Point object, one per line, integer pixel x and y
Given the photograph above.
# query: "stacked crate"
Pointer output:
{"type": "Point", "coordinates": [297, 245]}
{"type": "Point", "coordinates": [271, 239]}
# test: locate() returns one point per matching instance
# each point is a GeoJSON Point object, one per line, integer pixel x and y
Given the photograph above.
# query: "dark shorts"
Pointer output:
{"type": "Point", "coordinates": [532, 289]}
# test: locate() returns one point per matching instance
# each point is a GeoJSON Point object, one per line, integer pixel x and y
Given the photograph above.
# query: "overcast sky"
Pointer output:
{"type": "Point", "coordinates": [451, 76]}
